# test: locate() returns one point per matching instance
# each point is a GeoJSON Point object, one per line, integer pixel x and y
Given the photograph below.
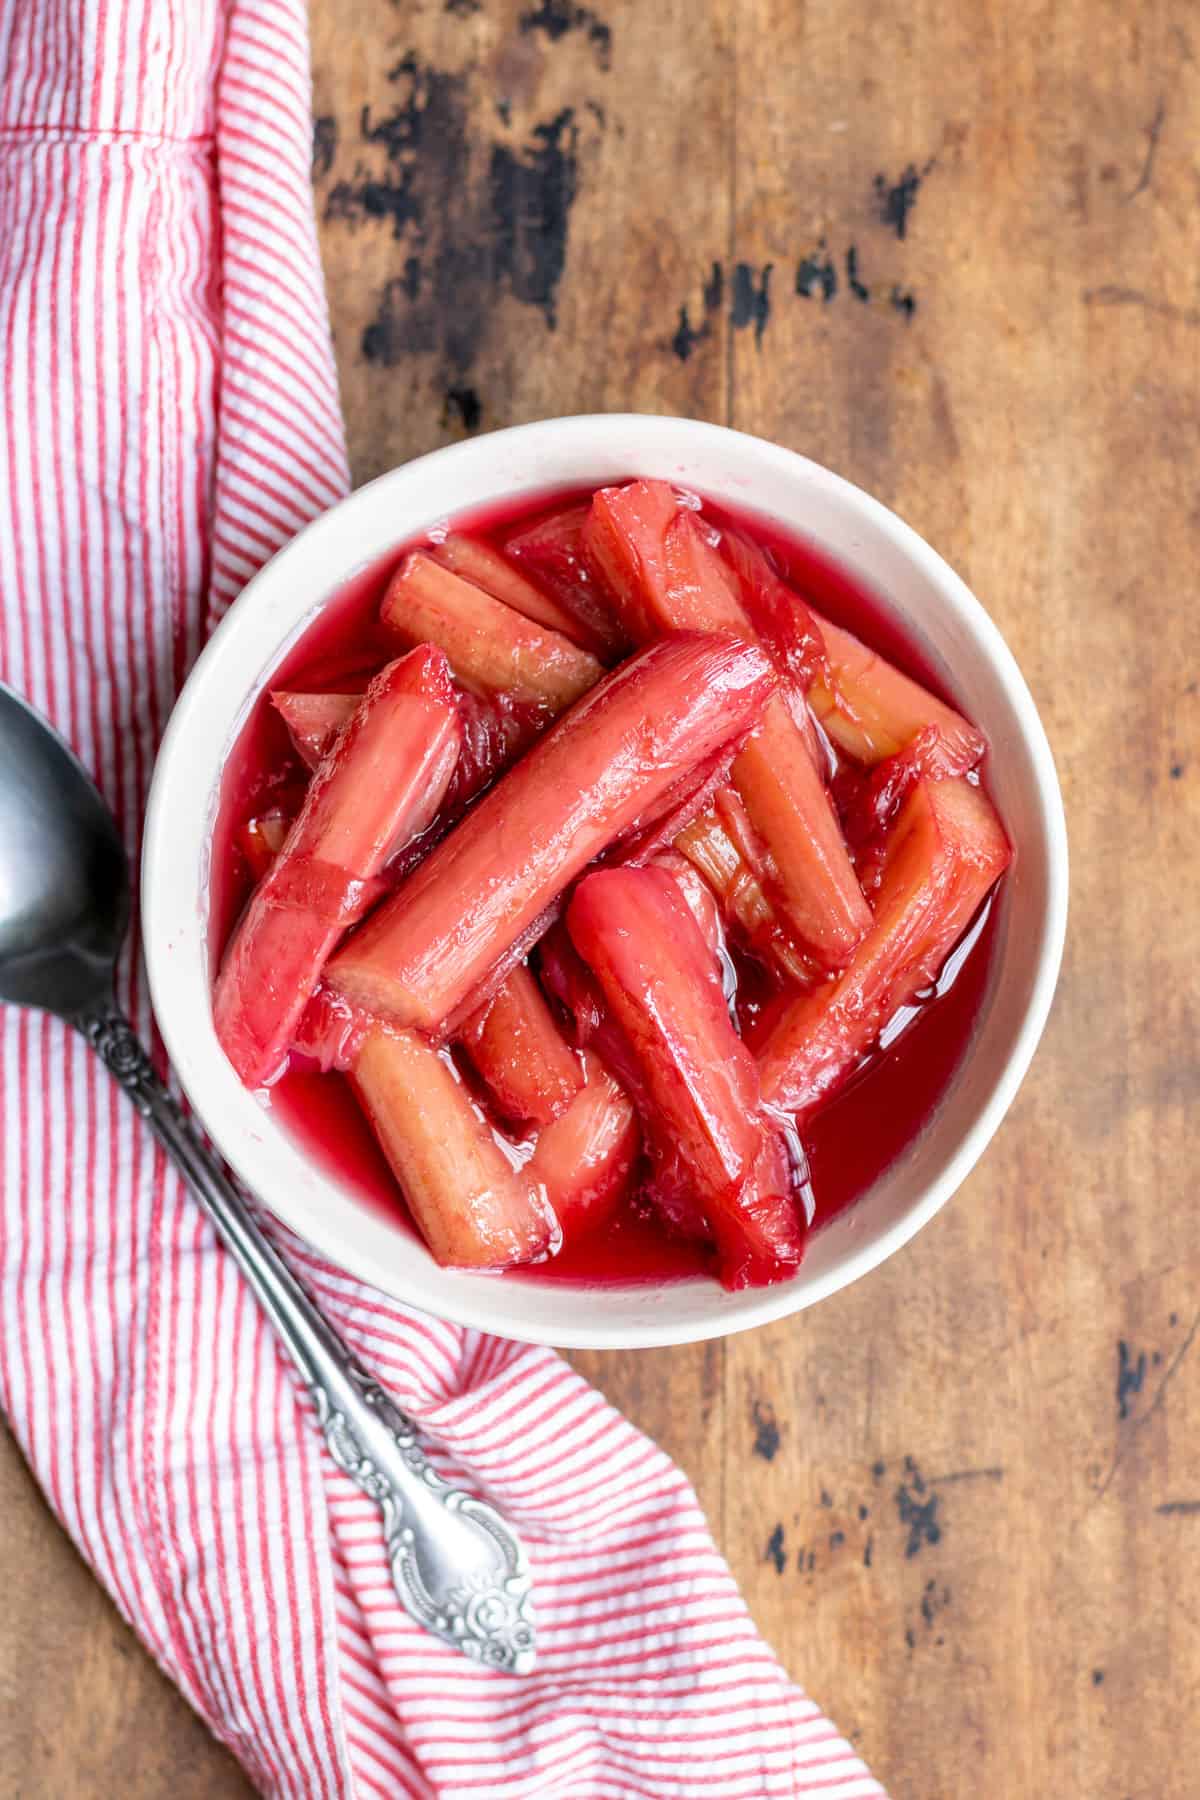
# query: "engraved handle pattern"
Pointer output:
{"type": "Point", "coordinates": [456, 1565]}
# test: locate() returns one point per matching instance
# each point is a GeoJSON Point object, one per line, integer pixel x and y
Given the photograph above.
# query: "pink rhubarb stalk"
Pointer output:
{"type": "Point", "coordinates": [552, 550]}
{"type": "Point", "coordinates": [488, 569]}
{"type": "Point", "coordinates": [314, 720]}
{"type": "Point", "coordinates": [945, 850]}
{"type": "Point", "coordinates": [585, 1158]}
{"type": "Point", "coordinates": [380, 785]}
{"type": "Point", "coordinates": [871, 710]}
{"type": "Point", "coordinates": [696, 1085]}
{"type": "Point", "coordinates": [475, 1209]}
{"type": "Point", "coordinates": [491, 648]}
{"type": "Point", "coordinates": [529, 1070]}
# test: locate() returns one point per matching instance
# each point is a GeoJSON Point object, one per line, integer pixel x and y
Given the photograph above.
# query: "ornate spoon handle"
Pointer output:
{"type": "Point", "coordinates": [457, 1566]}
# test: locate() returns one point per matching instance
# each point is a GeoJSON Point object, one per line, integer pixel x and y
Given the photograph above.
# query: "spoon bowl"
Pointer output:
{"type": "Point", "coordinates": [64, 875]}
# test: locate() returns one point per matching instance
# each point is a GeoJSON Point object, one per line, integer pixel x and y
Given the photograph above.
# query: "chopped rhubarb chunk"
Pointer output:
{"type": "Point", "coordinates": [567, 978]}
{"type": "Point", "coordinates": [262, 838]}
{"type": "Point", "coordinates": [585, 1159]}
{"type": "Point", "coordinates": [381, 784]}
{"type": "Point", "coordinates": [581, 786]}
{"type": "Point", "coordinates": [479, 563]}
{"type": "Point", "coordinates": [314, 720]}
{"type": "Point", "coordinates": [815, 887]}
{"type": "Point", "coordinates": [553, 551]}
{"type": "Point", "coordinates": [786, 624]}
{"type": "Point", "coordinates": [697, 1085]}
{"type": "Point", "coordinates": [491, 647]}
{"type": "Point", "coordinates": [871, 710]}
{"type": "Point", "coordinates": [668, 576]}
{"type": "Point", "coordinates": [475, 1210]}
{"type": "Point", "coordinates": [525, 1062]}
{"type": "Point", "coordinates": [708, 845]}
{"type": "Point", "coordinates": [701, 901]}
{"type": "Point", "coordinates": [943, 854]}
{"type": "Point", "coordinates": [625, 538]}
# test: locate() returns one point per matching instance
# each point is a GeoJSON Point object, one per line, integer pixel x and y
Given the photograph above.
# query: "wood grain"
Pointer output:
{"type": "Point", "coordinates": [949, 250]}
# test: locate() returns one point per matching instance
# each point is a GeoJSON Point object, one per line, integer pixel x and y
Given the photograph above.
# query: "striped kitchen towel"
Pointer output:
{"type": "Point", "coordinates": [170, 417]}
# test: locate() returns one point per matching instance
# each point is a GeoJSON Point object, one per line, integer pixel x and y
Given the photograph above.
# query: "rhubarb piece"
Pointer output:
{"type": "Point", "coordinates": [584, 783]}
{"type": "Point", "coordinates": [814, 884]}
{"type": "Point", "coordinates": [553, 551]}
{"type": "Point", "coordinates": [473, 1208]}
{"type": "Point", "coordinates": [667, 575]}
{"type": "Point", "coordinates": [871, 710]}
{"type": "Point", "coordinates": [491, 648]}
{"type": "Point", "coordinates": [491, 571]}
{"type": "Point", "coordinates": [380, 785]}
{"type": "Point", "coordinates": [786, 625]}
{"type": "Point", "coordinates": [697, 1086]}
{"type": "Point", "coordinates": [521, 1054]}
{"type": "Point", "coordinates": [331, 1032]}
{"type": "Point", "coordinates": [707, 844]}
{"type": "Point", "coordinates": [262, 838]}
{"type": "Point", "coordinates": [868, 801]}
{"type": "Point", "coordinates": [314, 720]}
{"type": "Point", "coordinates": [701, 901]}
{"type": "Point", "coordinates": [567, 978]}
{"type": "Point", "coordinates": [585, 1159]}
{"type": "Point", "coordinates": [624, 540]}
{"type": "Point", "coordinates": [943, 854]}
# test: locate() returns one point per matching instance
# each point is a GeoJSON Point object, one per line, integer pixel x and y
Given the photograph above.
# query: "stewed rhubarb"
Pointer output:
{"type": "Point", "coordinates": [628, 925]}
{"type": "Point", "coordinates": [493, 884]}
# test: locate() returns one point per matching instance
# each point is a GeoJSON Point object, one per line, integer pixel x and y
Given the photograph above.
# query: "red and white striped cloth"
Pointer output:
{"type": "Point", "coordinates": [170, 417]}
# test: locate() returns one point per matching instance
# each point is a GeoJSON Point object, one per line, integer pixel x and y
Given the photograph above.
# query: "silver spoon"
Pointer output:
{"type": "Point", "coordinates": [457, 1566]}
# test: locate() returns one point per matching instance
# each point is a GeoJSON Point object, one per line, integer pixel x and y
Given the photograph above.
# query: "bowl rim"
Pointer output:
{"type": "Point", "coordinates": [160, 845]}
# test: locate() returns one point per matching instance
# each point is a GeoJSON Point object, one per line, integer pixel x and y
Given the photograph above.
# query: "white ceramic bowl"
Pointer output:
{"type": "Point", "coordinates": [936, 608]}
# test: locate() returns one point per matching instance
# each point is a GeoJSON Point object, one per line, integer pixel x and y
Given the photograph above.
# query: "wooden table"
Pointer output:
{"type": "Point", "coordinates": [950, 250]}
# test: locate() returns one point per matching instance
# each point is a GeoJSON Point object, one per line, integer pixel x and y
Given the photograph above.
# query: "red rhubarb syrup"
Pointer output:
{"type": "Point", "coordinates": [852, 1138]}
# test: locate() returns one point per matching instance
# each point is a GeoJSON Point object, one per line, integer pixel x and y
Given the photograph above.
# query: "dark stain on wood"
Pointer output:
{"type": "Point", "coordinates": [750, 302]}
{"type": "Point", "coordinates": [1130, 1376]}
{"type": "Point", "coordinates": [479, 221]}
{"type": "Point", "coordinates": [463, 407]}
{"type": "Point", "coordinates": [815, 274]}
{"type": "Point", "coordinates": [325, 140]}
{"type": "Point", "coordinates": [903, 301]}
{"type": "Point", "coordinates": [464, 9]}
{"type": "Point", "coordinates": [531, 195]}
{"type": "Point", "coordinates": [994, 1473]}
{"type": "Point", "coordinates": [857, 287]}
{"type": "Point", "coordinates": [1153, 134]}
{"type": "Point", "coordinates": [688, 336]}
{"type": "Point", "coordinates": [918, 1514]}
{"type": "Point", "coordinates": [775, 1551]}
{"type": "Point", "coordinates": [896, 199]}
{"type": "Point", "coordinates": [766, 1430]}
{"type": "Point", "coordinates": [554, 19]}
